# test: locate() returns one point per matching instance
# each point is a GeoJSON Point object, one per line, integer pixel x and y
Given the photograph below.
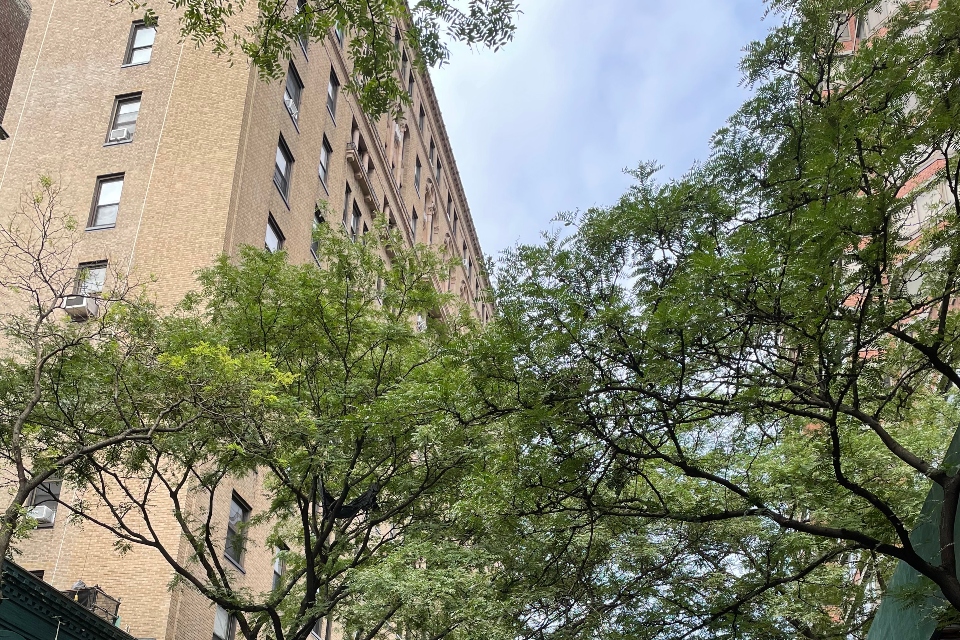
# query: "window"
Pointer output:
{"type": "Point", "coordinates": [282, 169]}
{"type": "Point", "coordinates": [433, 150]}
{"type": "Point", "coordinates": [317, 630]}
{"type": "Point", "coordinates": [325, 152]}
{"type": "Point", "coordinates": [420, 119]}
{"type": "Point", "coordinates": [416, 176]}
{"type": "Point", "coordinates": [469, 267]}
{"type": "Point", "coordinates": [124, 121]}
{"type": "Point", "coordinates": [292, 93]}
{"type": "Point", "coordinates": [863, 28]}
{"type": "Point", "coordinates": [314, 241]}
{"type": "Point", "coordinates": [410, 85]}
{"type": "Point", "coordinates": [464, 250]}
{"type": "Point", "coordinates": [140, 46]}
{"type": "Point", "coordinates": [355, 221]}
{"type": "Point", "coordinates": [279, 567]}
{"type": "Point", "coordinates": [338, 34]}
{"type": "Point", "coordinates": [332, 89]}
{"type": "Point", "coordinates": [455, 224]}
{"type": "Point", "coordinates": [413, 223]}
{"type": "Point", "coordinates": [91, 276]}
{"type": "Point", "coordinates": [224, 625]}
{"type": "Point", "coordinates": [273, 241]}
{"type": "Point", "coordinates": [106, 202]}
{"type": "Point", "coordinates": [236, 535]}
{"type": "Point", "coordinates": [346, 206]}
{"type": "Point", "coordinates": [437, 175]}
{"type": "Point", "coordinates": [46, 495]}
{"type": "Point", "coordinates": [304, 36]}
{"type": "Point", "coordinates": [403, 65]}
{"type": "Point", "coordinates": [449, 205]}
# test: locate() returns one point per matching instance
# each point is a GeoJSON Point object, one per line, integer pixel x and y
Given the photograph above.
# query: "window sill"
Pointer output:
{"type": "Point", "coordinates": [117, 142]}
{"type": "Point", "coordinates": [235, 563]}
{"type": "Point", "coordinates": [293, 119]}
{"type": "Point", "coordinates": [133, 64]}
{"type": "Point", "coordinates": [101, 227]}
{"type": "Point", "coordinates": [282, 194]}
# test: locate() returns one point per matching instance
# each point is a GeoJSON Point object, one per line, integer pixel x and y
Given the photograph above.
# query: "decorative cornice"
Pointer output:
{"type": "Point", "coordinates": [23, 589]}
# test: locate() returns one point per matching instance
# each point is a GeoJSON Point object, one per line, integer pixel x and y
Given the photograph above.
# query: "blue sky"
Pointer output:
{"type": "Point", "coordinates": [586, 89]}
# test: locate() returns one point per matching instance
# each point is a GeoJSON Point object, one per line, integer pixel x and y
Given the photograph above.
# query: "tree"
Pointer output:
{"type": "Point", "coordinates": [265, 32]}
{"type": "Point", "coordinates": [71, 391]}
{"type": "Point", "coordinates": [364, 449]}
{"type": "Point", "coordinates": [749, 375]}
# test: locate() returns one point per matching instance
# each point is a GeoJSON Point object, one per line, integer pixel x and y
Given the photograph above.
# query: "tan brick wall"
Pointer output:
{"type": "Point", "coordinates": [14, 17]}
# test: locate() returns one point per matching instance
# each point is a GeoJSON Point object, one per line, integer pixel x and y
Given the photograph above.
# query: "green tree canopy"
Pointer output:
{"type": "Point", "coordinates": [733, 390]}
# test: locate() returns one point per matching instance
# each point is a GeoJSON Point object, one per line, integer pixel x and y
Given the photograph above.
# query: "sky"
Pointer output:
{"type": "Point", "coordinates": [586, 89]}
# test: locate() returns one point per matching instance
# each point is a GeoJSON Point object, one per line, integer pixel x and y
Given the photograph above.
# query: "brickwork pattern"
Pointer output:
{"type": "Point", "coordinates": [14, 18]}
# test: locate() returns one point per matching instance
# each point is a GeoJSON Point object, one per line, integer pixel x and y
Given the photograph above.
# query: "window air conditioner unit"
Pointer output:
{"type": "Point", "coordinates": [80, 307]}
{"type": "Point", "coordinates": [291, 107]}
{"type": "Point", "coordinates": [118, 135]}
{"type": "Point", "coordinates": [43, 514]}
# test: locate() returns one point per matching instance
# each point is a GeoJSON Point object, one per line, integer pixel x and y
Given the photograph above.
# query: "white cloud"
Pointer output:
{"type": "Point", "coordinates": [585, 90]}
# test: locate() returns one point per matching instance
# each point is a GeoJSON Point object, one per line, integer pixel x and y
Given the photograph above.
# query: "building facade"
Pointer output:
{"type": "Point", "coordinates": [14, 18]}
{"type": "Point", "coordinates": [169, 156]}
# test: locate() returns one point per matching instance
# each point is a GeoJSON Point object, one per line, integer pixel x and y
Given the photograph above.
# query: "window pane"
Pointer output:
{"type": "Point", "coordinates": [272, 243]}
{"type": "Point", "coordinates": [110, 191]}
{"type": "Point", "coordinates": [236, 513]}
{"type": "Point", "coordinates": [221, 624]}
{"type": "Point", "coordinates": [106, 214]}
{"type": "Point", "coordinates": [144, 37]}
{"type": "Point", "coordinates": [92, 280]}
{"type": "Point", "coordinates": [281, 161]}
{"type": "Point", "coordinates": [139, 56]}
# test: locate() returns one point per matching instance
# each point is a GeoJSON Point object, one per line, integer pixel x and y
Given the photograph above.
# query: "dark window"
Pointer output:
{"type": "Point", "coordinates": [355, 221]}
{"type": "Point", "coordinates": [437, 176]}
{"type": "Point", "coordinates": [91, 276]}
{"type": "Point", "coordinates": [449, 205]}
{"type": "Point", "coordinates": [279, 567]}
{"type": "Point", "coordinates": [413, 223]}
{"type": "Point", "coordinates": [314, 242]}
{"type": "Point", "coordinates": [420, 119]}
{"type": "Point", "coordinates": [304, 36]}
{"type": "Point", "coordinates": [325, 152]}
{"type": "Point", "coordinates": [224, 625]}
{"type": "Point", "coordinates": [43, 501]}
{"type": "Point", "coordinates": [106, 202]}
{"type": "Point", "coordinates": [332, 90]}
{"type": "Point", "coordinates": [283, 168]}
{"type": "Point", "coordinates": [140, 46]}
{"type": "Point", "coordinates": [292, 93]}
{"type": "Point", "coordinates": [403, 65]}
{"type": "Point", "coordinates": [433, 151]}
{"type": "Point", "coordinates": [346, 206]}
{"type": "Point", "coordinates": [455, 224]}
{"type": "Point", "coordinates": [124, 120]}
{"type": "Point", "coordinates": [416, 176]}
{"type": "Point", "coordinates": [236, 532]}
{"type": "Point", "coordinates": [410, 85]}
{"type": "Point", "coordinates": [273, 241]}
{"type": "Point", "coordinates": [464, 251]}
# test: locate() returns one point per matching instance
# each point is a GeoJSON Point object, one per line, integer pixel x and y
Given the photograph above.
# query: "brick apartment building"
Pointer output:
{"type": "Point", "coordinates": [14, 18]}
{"type": "Point", "coordinates": [171, 156]}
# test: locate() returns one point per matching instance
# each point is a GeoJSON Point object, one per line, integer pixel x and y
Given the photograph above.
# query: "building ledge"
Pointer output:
{"type": "Point", "coordinates": [360, 171]}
